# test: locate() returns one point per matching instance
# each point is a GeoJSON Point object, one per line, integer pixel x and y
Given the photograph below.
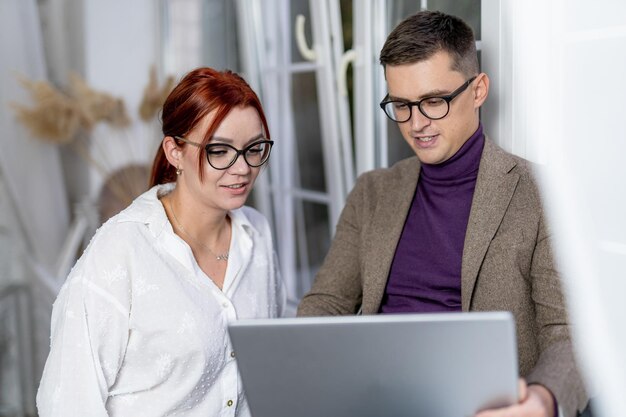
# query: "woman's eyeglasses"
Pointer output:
{"type": "Point", "coordinates": [223, 156]}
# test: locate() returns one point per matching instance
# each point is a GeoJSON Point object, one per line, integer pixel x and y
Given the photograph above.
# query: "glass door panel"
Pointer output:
{"type": "Point", "coordinates": [309, 164]}
{"type": "Point", "coordinates": [304, 189]}
{"type": "Point", "coordinates": [313, 243]}
{"type": "Point", "coordinates": [376, 18]}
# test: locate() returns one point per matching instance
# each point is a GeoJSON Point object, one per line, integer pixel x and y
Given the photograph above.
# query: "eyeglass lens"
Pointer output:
{"type": "Point", "coordinates": [223, 156]}
{"type": "Point", "coordinates": [433, 108]}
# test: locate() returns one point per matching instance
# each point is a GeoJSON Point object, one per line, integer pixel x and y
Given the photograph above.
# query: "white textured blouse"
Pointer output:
{"type": "Point", "coordinates": [138, 329]}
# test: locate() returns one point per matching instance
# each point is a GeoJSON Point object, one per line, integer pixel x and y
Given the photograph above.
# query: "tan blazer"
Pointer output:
{"type": "Point", "coordinates": [507, 262]}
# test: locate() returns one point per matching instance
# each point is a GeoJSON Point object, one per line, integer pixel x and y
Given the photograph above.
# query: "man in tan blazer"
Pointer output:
{"type": "Point", "coordinates": [458, 227]}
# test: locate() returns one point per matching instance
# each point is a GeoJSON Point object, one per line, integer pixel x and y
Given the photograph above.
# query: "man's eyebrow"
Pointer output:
{"type": "Point", "coordinates": [230, 141]}
{"type": "Point", "coordinates": [432, 93]}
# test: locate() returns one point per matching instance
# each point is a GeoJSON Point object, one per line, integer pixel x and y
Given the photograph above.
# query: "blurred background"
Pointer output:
{"type": "Point", "coordinates": [81, 82]}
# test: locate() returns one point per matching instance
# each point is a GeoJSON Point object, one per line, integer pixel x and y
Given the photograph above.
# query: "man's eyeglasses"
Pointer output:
{"type": "Point", "coordinates": [434, 108]}
{"type": "Point", "coordinates": [223, 156]}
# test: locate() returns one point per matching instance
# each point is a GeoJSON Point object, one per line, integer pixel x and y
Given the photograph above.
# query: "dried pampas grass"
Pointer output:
{"type": "Point", "coordinates": [54, 118]}
{"type": "Point", "coordinates": [57, 117]}
{"type": "Point", "coordinates": [153, 96]}
{"type": "Point", "coordinates": [97, 106]}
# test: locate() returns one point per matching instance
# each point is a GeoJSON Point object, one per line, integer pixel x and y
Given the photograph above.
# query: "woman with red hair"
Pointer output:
{"type": "Point", "coordinates": [140, 326]}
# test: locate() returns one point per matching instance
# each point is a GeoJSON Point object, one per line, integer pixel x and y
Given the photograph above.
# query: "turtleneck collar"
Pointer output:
{"type": "Point", "coordinates": [462, 164]}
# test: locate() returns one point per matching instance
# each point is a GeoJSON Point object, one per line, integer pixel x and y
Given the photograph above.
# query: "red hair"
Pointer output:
{"type": "Point", "coordinates": [200, 92]}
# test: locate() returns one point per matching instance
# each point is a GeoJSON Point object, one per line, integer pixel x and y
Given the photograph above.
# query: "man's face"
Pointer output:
{"type": "Point", "coordinates": [435, 141]}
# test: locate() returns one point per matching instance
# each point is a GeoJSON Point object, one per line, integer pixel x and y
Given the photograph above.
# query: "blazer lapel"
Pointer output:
{"type": "Point", "coordinates": [384, 233]}
{"type": "Point", "coordinates": [495, 186]}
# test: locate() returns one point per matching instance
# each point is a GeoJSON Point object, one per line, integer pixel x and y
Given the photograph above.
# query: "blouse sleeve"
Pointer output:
{"type": "Point", "coordinates": [89, 334]}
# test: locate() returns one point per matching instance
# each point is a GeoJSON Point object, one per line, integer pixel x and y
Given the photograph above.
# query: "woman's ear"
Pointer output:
{"type": "Point", "coordinates": [172, 151]}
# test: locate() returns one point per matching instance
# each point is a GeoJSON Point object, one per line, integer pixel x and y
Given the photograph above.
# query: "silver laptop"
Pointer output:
{"type": "Point", "coordinates": [429, 365]}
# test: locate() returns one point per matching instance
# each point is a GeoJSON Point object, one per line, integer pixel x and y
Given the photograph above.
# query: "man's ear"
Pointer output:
{"type": "Point", "coordinates": [481, 89]}
{"type": "Point", "coordinates": [172, 151]}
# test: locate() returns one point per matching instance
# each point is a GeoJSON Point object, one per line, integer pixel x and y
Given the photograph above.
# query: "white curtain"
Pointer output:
{"type": "Point", "coordinates": [34, 218]}
{"type": "Point", "coordinates": [31, 169]}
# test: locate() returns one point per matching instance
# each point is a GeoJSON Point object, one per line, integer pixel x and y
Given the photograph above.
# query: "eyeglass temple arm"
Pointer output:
{"type": "Point", "coordinates": [187, 141]}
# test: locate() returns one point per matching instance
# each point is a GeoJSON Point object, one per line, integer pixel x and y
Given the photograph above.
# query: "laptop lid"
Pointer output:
{"type": "Point", "coordinates": [434, 365]}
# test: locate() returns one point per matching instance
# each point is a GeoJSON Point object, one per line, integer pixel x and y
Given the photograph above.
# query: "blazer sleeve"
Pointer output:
{"type": "Point", "coordinates": [337, 289]}
{"type": "Point", "coordinates": [89, 334]}
{"type": "Point", "coordinates": [556, 366]}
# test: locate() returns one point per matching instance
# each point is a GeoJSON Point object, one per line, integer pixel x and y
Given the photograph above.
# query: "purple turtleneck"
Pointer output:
{"type": "Point", "coordinates": [425, 274]}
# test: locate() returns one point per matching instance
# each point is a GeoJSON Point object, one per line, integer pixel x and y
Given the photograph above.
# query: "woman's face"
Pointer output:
{"type": "Point", "coordinates": [225, 189]}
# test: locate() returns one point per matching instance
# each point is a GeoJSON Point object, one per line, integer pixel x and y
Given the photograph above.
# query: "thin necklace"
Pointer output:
{"type": "Point", "coordinates": [220, 257]}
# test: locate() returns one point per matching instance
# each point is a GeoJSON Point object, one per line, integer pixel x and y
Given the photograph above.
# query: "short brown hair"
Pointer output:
{"type": "Point", "coordinates": [420, 36]}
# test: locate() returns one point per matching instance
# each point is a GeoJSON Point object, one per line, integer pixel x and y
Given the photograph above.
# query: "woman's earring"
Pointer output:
{"type": "Point", "coordinates": [179, 171]}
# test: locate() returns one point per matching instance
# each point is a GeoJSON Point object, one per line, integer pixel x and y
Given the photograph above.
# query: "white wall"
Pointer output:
{"type": "Point", "coordinates": [559, 81]}
{"type": "Point", "coordinates": [121, 43]}
{"type": "Point", "coordinates": [112, 44]}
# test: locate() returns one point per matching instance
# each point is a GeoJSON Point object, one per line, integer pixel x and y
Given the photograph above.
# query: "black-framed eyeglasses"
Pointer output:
{"type": "Point", "coordinates": [434, 108]}
{"type": "Point", "coordinates": [223, 156]}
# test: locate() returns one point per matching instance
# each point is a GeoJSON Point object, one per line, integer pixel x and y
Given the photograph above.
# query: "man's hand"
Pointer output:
{"type": "Point", "coordinates": [535, 401]}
